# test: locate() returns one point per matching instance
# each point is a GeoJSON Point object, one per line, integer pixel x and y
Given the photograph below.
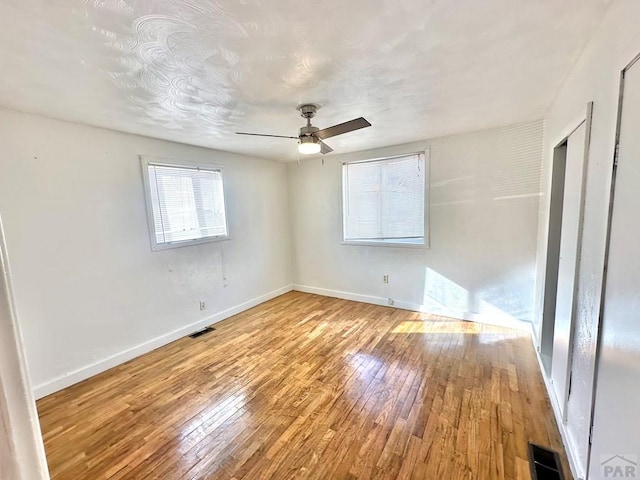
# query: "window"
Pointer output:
{"type": "Point", "coordinates": [185, 204]}
{"type": "Point", "coordinates": [383, 201]}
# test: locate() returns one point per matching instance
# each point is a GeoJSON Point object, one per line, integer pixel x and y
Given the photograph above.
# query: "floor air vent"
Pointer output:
{"type": "Point", "coordinates": [204, 331]}
{"type": "Point", "coordinates": [545, 463]}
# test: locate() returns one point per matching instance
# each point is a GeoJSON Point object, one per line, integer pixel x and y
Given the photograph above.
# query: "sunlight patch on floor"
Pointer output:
{"type": "Point", "coordinates": [448, 327]}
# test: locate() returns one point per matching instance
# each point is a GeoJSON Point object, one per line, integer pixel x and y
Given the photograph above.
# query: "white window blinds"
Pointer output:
{"type": "Point", "coordinates": [384, 200]}
{"type": "Point", "coordinates": [187, 203]}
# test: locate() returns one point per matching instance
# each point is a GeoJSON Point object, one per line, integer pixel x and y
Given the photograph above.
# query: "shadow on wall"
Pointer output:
{"type": "Point", "coordinates": [483, 214]}
{"type": "Point", "coordinates": [492, 302]}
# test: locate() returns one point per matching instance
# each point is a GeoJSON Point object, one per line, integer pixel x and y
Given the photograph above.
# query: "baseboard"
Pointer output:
{"type": "Point", "coordinates": [356, 297]}
{"type": "Point", "coordinates": [415, 307]}
{"type": "Point", "coordinates": [100, 366]}
{"type": "Point", "coordinates": [555, 406]}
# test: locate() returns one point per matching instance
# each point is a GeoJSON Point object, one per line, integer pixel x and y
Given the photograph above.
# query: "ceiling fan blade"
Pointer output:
{"type": "Point", "coordinates": [265, 135]}
{"type": "Point", "coordinates": [324, 148]}
{"type": "Point", "coordinates": [341, 128]}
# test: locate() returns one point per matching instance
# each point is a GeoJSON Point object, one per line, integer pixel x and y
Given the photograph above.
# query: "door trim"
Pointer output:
{"type": "Point", "coordinates": [26, 455]}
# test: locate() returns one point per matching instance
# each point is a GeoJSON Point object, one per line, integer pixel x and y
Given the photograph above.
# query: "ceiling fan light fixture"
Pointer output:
{"type": "Point", "coordinates": [309, 145]}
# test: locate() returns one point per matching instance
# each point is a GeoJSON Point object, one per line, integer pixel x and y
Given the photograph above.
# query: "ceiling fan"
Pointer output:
{"type": "Point", "coordinates": [311, 138]}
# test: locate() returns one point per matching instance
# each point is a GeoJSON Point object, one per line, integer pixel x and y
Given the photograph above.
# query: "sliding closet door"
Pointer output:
{"type": "Point", "coordinates": [568, 261]}
{"type": "Point", "coordinates": [617, 412]}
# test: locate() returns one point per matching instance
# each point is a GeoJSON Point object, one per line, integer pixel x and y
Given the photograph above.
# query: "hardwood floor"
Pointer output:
{"type": "Point", "coordinates": [305, 386]}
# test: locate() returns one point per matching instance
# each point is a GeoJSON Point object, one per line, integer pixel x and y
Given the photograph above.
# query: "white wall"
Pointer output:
{"type": "Point", "coordinates": [595, 77]}
{"type": "Point", "coordinates": [484, 193]}
{"type": "Point", "coordinates": [89, 291]}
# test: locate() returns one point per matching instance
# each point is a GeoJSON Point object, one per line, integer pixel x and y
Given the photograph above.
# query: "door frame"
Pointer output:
{"type": "Point", "coordinates": [586, 119]}
{"type": "Point", "coordinates": [548, 314]}
{"type": "Point", "coordinates": [26, 457]}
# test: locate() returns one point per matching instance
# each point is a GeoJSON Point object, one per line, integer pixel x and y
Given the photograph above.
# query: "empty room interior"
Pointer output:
{"type": "Point", "coordinates": [326, 240]}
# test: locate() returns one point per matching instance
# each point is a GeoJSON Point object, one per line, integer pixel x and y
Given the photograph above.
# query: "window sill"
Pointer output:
{"type": "Point", "coordinates": [185, 243]}
{"type": "Point", "coordinates": [382, 243]}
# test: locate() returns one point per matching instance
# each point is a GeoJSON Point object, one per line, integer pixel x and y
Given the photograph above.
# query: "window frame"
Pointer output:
{"type": "Point", "coordinates": [381, 243]}
{"type": "Point", "coordinates": [145, 162]}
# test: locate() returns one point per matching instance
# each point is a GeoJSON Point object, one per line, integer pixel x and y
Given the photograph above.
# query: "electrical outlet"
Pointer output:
{"type": "Point", "coordinates": [203, 305]}
{"type": "Point", "coordinates": [385, 279]}
{"type": "Point", "coordinates": [391, 301]}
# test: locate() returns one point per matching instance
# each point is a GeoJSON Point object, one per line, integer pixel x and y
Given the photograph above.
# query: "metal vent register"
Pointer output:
{"type": "Point", "coordinates": [545, 464]}
{"type": "Point", "coordinates": [202, 332]}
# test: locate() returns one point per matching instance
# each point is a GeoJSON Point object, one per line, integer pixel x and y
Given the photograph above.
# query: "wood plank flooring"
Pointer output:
{"type": "Point", "coordinates": [305, 386]}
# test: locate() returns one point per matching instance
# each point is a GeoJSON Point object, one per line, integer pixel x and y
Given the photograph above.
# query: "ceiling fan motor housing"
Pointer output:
{"type": "Point", "coordinates": [308, 131]}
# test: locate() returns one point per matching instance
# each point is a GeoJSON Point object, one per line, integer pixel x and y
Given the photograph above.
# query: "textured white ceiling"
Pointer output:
{"type": "Point", "coordinates": [196, 71]}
